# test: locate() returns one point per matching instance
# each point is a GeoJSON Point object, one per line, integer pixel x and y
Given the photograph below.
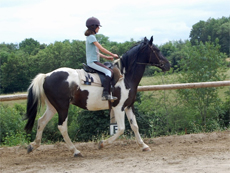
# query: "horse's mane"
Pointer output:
{"type": "Point", "coordinates": [130, 58]}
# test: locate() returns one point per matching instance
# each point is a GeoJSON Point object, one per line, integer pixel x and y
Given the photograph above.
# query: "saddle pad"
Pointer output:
{"type": "Point", "coordinates": [89, 78]}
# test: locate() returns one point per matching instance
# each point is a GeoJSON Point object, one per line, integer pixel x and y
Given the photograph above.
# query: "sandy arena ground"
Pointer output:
{"type": "Point", "coordinates": [193, 153]}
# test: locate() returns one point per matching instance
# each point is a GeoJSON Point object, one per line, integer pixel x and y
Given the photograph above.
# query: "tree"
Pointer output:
{"type": "Point", "coordinates": [103, 40]}
{"type": "Point", "coordinates": [30, 46]}
{"type": "Point", "coordinates": [78, 54]}
{"type": "Point", "coordinates": [224, 38]}
{"type": "Point", "coordinates": [203, 63]}
{"type": "Point", "coordinates": [212, 28]}
{"type": "Point", "coordinates": [167, 49]}
{"type": "Point", "coordinates": [174, 52]}
{"type": "Point", "coordinates": [198, 32]}
{"type": "Point", "coordinates": [6, 50]}
{"type": "Point", "coordinates": [14, 74]}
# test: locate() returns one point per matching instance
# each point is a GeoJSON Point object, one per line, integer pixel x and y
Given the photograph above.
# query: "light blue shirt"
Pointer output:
{"type": "Point", "coordinates": [92, 52]}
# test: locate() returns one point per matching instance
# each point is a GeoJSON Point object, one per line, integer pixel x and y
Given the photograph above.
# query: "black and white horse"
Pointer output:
{"type": "Point", "coordinates": [62, 87]}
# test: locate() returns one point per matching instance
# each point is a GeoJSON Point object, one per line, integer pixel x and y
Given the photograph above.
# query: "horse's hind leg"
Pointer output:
{"type": "Point", "coordinates": [133, 123]}
{"type": "Point", "coordinates": [62, 126]}
{"type": "Point", "coordinates": [42, 122]}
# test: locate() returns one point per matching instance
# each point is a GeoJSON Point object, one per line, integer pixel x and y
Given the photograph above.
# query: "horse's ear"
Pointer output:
{"type": "Point", "coordinates": [151, 40]}
{"type": "Point", "coordinates": [145, 39]}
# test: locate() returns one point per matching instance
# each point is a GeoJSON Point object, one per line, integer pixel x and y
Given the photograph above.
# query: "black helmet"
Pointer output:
{"type": "Point", "coordinates": [92, 21]}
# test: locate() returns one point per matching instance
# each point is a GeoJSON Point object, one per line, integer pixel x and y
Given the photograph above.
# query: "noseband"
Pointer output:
{"type": "Point", "coordinates": [161, 64]}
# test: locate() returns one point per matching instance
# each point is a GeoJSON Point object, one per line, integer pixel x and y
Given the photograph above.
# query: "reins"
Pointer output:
{"type": "Point", "coordinates": [149, 63]}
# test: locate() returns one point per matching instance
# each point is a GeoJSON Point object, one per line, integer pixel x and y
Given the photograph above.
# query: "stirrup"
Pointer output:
{"type": "Point", "coordinates": [108, 97]}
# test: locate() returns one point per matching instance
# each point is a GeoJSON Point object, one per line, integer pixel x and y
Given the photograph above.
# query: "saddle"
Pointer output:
{"type": "Point", "coordinates": [90, 77]}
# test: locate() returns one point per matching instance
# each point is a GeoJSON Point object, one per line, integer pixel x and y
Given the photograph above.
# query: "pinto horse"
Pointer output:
{"type": "Point", "coordinates": [61, 87]}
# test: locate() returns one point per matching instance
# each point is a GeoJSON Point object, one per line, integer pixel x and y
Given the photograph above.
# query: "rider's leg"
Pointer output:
{"type": "Point", "coordinates": [106, 83]}
{"type": "Point", "coordinates": [106, 90]}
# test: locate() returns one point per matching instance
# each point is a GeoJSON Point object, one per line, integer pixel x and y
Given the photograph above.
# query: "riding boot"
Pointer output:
{"type": "Point", "coordinates": [106, 91]}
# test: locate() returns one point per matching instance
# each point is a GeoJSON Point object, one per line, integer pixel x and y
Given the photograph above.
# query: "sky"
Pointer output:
{"type": "Point", "coordinates": [48, 21]}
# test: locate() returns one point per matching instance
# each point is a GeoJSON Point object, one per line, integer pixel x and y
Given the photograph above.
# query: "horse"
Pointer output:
{"type": "Point", "coordinates": [61, 87]}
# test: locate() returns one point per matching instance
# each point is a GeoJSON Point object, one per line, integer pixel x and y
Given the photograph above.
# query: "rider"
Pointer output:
{"type": "Point", "coordinates": [93, 55]}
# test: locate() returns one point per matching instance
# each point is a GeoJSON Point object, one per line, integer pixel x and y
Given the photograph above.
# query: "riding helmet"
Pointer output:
{"type": "Point", "coordinates": [92, 21]}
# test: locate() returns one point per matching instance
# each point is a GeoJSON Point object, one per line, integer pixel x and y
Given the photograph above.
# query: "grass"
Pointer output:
{"type": "Point", "coordinates": [13, 102]}
{"type": "Point", "coordinates": [228, 74]}
{"type": "Point", "coordinates": [167, 79]}
{"type": "Point", "coordinates": [162, 79]}
{"type": "Point", "coordinates": [159, 79]}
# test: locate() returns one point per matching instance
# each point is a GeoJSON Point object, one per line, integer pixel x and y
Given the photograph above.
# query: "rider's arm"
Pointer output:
{"type": "Point", "coordinates": [102, 49]}
{"type": "Point", "coordinates": [106, 57]}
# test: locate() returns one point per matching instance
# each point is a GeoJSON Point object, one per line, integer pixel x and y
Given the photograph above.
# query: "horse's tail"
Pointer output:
{"type": "Point", "coordinates": [35, 98]}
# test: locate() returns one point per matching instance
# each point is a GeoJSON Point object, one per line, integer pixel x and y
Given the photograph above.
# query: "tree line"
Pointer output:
{"type": "Point", "coordinates": [21, 62]}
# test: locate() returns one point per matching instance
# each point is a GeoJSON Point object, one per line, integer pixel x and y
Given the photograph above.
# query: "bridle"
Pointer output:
{"type": "Point", "coordinates": [161, 64]}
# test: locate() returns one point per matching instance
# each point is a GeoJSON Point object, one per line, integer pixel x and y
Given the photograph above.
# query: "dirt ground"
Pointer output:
{"type": "Point", "coordinates": [189, 153]}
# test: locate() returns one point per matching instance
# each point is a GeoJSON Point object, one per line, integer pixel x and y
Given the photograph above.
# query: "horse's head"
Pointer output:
{"type": "Point", "coordinates": [152, 56]}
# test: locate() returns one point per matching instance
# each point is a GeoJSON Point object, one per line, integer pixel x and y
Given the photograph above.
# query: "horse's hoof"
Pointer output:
{"type": "Point", "coordinates": [78, 155]}
{"type": "Point", "coordinates": [146, 149]}
{"type": "Point", "coordinates": [29, 149]}
{"type": "Point", "coordinates": [100, 146]}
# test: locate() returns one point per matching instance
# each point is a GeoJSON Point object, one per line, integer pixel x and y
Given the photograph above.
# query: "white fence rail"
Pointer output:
{"type": "Point", "coordinates": [184, 86]}
{"type": "Point", "coordinates": [141, 88]}
{"type": "Point", "coordinates": [13, 97]}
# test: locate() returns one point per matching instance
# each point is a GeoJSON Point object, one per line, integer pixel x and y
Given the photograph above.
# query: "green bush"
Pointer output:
{"type": "Point", "coordinates": [12, 125]}
{"type": "Point", "coordinates": [91, 125]}
{"type": "Point", "coordinates": [225, 114]}
{"type": "Point", "coordinates": [157, 114]}
{"type": "Point", "coordinates": [16, 139]}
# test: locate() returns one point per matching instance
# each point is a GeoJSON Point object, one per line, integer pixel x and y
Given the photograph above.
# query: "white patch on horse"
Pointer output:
{"type": "Point", "coordinates": [73, 76]}
{"type": "Point", "coordinates": [94, 101]}
{"type": "Point", "coordinates": [124, 91]}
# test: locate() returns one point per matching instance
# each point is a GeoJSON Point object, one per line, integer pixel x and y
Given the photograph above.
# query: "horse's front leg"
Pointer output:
{"type": "Point", "coordinates": [120, 118]}
{"type": "Point", "coordinates": [133, 123]}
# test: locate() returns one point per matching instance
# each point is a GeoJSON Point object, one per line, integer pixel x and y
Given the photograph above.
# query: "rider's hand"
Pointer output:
{"type": "Point", "coordinates": [109, 58]}
{"type": "Point", "coordinates": [115, 56]}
